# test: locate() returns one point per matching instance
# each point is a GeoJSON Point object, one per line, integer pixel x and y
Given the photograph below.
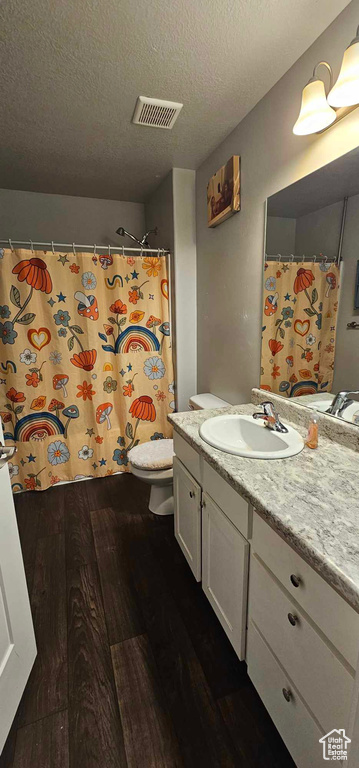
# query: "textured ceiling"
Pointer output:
{"type": "Point", "coordinates": [71, 70]}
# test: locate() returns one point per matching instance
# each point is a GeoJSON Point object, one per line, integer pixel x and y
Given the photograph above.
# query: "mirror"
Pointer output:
{"type": "Point", "coordinates": [310, 312]}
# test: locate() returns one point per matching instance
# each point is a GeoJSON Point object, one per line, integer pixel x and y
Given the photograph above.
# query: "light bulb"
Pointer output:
{"type": "Point", "coordinates": [345, 92]}
{"type": "Point", "coordinates": [315, 113]}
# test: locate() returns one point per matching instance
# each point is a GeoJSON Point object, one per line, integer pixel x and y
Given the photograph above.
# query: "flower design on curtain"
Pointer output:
{"type": "Point", "coordinates": [299, 327]}
{"type": "Point", "coordinates": [84, 376]}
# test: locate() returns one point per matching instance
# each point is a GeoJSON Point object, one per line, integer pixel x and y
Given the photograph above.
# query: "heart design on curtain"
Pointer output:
{"type": "Point", "coordinates": [302, 327]}
{"type": "Point", "coordinates": [39, 338]}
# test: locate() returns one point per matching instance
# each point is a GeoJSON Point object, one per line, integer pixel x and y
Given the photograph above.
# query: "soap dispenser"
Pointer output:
{"type": "Point", "coordinates": [313, 429]}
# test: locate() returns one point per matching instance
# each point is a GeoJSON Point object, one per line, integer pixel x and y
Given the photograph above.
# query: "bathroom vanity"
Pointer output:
{"type": "Point", "coordinates": [276, 546]}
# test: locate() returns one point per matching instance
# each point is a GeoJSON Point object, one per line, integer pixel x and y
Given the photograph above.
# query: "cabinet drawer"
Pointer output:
{"type": "Point", "coordinates": [187, 503]}
{"type": "Point", "coordinates": [322, 679]}
{"type": "Point", "coordinates": [294, 722]}
{"type": "Point", "coordinates": [188, 456]}
{"type": "Point", "coordinates": [333, 615]}
{"type": "Point", "coordinates": [236, 508]}
{"type": "Point", "coordinates": [225, 572]}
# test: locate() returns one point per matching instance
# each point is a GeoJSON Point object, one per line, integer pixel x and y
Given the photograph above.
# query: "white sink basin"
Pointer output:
{"type": "Point", "coordinates": [243, 436]}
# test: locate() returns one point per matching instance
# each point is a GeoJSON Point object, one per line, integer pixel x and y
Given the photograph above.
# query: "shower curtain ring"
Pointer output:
{"type": "Point", "coordinates": [109, 250]}
{"type": "Point", "coordinates": [315, 257]}
{"type": "Point", "coordinates": [123, 251]}
{"type": "Point", "coordinates": [52, 248]}
{"type": "Point", "coordinates": [94, 249]}
{"type": "Point", "coordinates": [31, 246]}
{"type": "Point", "coordinates": [292, 257]}
{"type": "Point", "coordinates": [11, 246]}
{"type": "Point", "coordinates": [73, 249]}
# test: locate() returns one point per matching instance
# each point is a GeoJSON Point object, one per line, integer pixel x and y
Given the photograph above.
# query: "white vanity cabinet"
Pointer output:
{"type": "Point", "coordinates": [211, 522]}
{"type": "Point", "coordinates": [302, 645]}
{"type": "Point", "coordinates": [302, 642]}
{"type": "Point", "coordinates": [188, 500]}
{"type": "Point", "coordinates": [225, 572]}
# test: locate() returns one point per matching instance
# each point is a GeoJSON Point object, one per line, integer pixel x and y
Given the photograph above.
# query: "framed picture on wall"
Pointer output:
{"type": "Point", "coordinates": [224, 192]}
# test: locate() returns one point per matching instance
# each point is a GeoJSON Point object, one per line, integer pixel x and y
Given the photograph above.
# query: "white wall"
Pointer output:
{"type": "Point", "coordinates": [66, 219]}
{"type": "Point", "coordinates": [230, 257]}
{"type": "Point", "coordinates": [172, 208]}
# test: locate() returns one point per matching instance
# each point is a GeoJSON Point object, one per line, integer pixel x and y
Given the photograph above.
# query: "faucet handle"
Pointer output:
{"type": "Point", "coordinates": [271, 417]}
{"type": "Point", "coordinates": [270, 410]}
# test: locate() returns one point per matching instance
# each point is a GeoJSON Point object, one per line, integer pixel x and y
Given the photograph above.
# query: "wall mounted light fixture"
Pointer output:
{"type": "Point", "coordinates": [345, 92]}
{"type": "Point", "coordinates": [318, 109]}
{"type": "Point", "coordinates": [315, 113]}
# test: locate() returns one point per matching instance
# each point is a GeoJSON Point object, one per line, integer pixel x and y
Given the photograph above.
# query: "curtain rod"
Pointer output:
{"type": "Point", "coordinates": [93, 247]}
{"type": "Point", "coordinates": [291, 258]}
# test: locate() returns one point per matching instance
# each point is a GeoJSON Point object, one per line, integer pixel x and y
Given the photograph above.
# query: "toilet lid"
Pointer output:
{"type": "Point", "coordinates": [156, 454]}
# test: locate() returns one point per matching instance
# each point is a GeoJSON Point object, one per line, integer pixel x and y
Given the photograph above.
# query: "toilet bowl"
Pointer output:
{"type": "Point", "coordinates": [152, 462]}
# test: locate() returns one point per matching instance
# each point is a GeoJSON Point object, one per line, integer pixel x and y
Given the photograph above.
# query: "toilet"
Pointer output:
{"type": "Point", "coordinates": [152, 462]}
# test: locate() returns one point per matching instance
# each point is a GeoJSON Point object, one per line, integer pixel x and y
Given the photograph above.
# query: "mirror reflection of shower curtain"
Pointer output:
{"type": "Point", "coordinates": [300, 306]}
{"type": "Point", "coordinates": [86, 366]}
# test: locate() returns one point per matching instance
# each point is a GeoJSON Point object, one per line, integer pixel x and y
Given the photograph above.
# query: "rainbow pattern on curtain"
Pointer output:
{"type": "Point", "coordinates": [86, 368]}
{"type": "Point", "coordinates": [299, 327]}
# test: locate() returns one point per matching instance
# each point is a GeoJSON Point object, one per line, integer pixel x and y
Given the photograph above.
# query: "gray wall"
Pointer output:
{"type": "Point", "coordinates": [159, 213]}
{"type": "Point", "coordinates": [230, 257]}
{"type": "Point", "coordinates": [318, 232]}
{"type": "Point", "coordinates": [66, 219]}
{"type": "Point", "coordinates": [346, 371]}
{"type": "Point", "coordinates": [172, 209]}
{"type": "Point", "coordinates": [280, 235]}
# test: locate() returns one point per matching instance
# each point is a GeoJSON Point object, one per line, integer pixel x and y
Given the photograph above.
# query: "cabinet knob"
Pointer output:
{"type": "Point", "coordinates": [191, 493]}
{"type": "Point", "coordinates": [296, 580]}
{"type": "Point", "coordinates": [287, 694]}
{"type": "Point", "coordinates": [292, 619]}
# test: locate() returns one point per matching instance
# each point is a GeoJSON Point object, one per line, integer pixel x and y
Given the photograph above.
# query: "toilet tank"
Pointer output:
{"type": "Point", "coordinates": [206, 400]}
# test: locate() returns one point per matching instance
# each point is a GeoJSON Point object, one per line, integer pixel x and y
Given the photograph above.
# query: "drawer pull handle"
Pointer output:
{"type": "Point", "coordinates": [296, 581]}
{"type": "Point", "coordinates": [292, 619]}
{"type": "Point", "coordinates": [287, 694]}
{"type": "Point", "coordinates": [191, 493]}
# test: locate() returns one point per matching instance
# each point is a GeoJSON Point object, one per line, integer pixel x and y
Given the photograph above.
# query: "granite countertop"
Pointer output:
{"type": "Point", "coordinates": [311, 499]}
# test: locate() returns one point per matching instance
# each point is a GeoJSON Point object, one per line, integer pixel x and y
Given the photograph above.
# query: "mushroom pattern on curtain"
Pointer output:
{"type": "Point", "coordinates": [86, 369]}
{"type": "Point", "coordinates": [300, 305]}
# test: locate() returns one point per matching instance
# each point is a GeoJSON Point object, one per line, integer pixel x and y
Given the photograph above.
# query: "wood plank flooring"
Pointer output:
{"type": "Point", "coordinates": [133, 668]}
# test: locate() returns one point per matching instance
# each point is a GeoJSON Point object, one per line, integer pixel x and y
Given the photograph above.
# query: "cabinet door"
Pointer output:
{"type": "Point", "coordinates": [17, 639]}
{"type": "Point", "coordinates": [225, 572]}
{"type": "Point", "coordinates": [187, 500]}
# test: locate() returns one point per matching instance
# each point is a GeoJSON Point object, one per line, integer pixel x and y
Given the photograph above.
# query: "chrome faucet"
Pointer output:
{"type": "Point", "coordinates": [270, 417]}
{"type": "Point", "coordinates": [341, 402]}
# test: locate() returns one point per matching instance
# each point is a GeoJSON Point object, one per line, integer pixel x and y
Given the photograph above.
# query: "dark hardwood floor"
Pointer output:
{"type": "Point", "coordinates": [133, 669]}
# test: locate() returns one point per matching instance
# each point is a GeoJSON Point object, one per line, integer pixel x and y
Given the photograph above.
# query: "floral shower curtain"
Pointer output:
{"type": "Point", "coordinates": [299, 327]}
{"type": "Point", "coordinates": [85, 363]}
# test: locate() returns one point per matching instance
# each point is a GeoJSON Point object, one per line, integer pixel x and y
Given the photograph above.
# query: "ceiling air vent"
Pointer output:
{"type": "Point", "coordinates": [156, 113]}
